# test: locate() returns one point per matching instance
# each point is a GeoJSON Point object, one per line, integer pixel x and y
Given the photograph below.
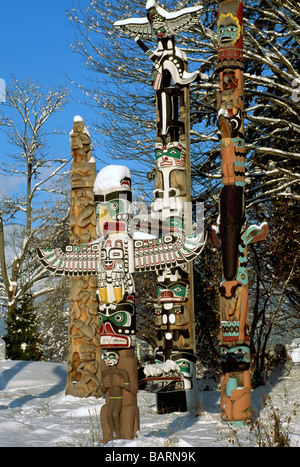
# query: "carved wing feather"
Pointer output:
{"type": "Point", "coordinates": [135, 27]}
{"type": "Point", "coordinates": [173, 22]}
{"type": "Point", "coordinates": [74, 261]}
{"type": "Point", "coordinates": [166, 252]}
{"type": "Point", "coordinates": [182, 19]}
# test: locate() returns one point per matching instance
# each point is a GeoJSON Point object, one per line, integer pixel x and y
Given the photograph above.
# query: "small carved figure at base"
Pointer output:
{"type": "Point", "coordinates": [114, 381]}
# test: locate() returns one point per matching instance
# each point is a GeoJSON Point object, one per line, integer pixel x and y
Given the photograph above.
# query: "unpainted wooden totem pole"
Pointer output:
{"type": "Point", "coordinates": [232, 233]}
{"type": "Point", "coordinates": [83, 378]}
{"type": "Point", "coordinates": [172, 196]}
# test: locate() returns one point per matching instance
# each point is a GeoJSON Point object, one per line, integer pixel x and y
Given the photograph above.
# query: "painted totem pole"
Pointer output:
{"type": "Point", "coordinates": [109, 262]}
{"type": "Point", "coordinates": [116, 311]}
{"type": "Point", "coordinates": [232, 233]}
{"type": "Point", "coordinates": [175, 307]}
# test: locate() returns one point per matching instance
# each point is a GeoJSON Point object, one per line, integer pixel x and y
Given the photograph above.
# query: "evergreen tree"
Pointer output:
{"type": "Point", "coordinates": [22, 342]}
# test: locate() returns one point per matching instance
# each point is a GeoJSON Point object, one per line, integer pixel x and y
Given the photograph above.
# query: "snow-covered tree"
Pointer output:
{"type": "Point", "coordinates": [41, 207]}
{"type": "Point", "coordinates": [23, 342]}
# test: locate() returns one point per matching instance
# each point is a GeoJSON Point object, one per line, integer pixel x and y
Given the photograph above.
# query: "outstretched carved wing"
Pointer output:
{"type": "Point", "coordinates": [166, 252]}
{"type": "Point", "coordinates": [74, 261]}
{"type": "Point", "coordinates": [180, 20]}
{"type": "Point", "coordinates": [135, 27]}
{"type": "Point", "coordinates": [172, 22]}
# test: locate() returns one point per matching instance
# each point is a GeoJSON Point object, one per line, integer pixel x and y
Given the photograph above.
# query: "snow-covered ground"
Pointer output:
{"type": "Point", "coordinates": [34, 411]}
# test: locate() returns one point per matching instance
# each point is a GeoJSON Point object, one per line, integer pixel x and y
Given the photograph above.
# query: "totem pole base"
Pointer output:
{"type": "Point", "coordinates": [235, 422]}
{"type": "Point", "coordinates": [169, 402]}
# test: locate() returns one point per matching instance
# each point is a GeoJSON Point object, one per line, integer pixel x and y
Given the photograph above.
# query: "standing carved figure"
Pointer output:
{"type": "Point", "coordinates": [232, 233]}
{"type": "Point", "coordinates": [114, 382]}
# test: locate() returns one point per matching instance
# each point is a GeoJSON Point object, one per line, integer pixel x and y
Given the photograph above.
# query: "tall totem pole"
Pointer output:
{"type": "Point", "coordinates": [83, 378]}
{"type": "Point", "coordinates": [232, 233]}
{"type": "Point", "coordinates": [172, 195]}
{"type": "Point", "coordinates": [102, 286]}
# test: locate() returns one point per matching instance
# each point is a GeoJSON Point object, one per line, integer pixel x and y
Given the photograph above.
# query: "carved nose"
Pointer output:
{"type": "Point", "coordinates": [103, 212]}
{"type": "Point", "coordinates": [108, 328]}
{"type": "Point", "coordinates": [167, 294]}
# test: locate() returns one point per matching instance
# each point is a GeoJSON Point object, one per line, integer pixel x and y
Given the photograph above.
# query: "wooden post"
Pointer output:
{"type": "Point", "coordinates": [116, 295]}
{"type": "Point", "coordinates": [232, 232]}
{"type": "Point", "coordinates": [170, 81]}
{"type": "Point", "coordinates": [83, 379]}
{"type": "Point", "coordinates": [176, 337]}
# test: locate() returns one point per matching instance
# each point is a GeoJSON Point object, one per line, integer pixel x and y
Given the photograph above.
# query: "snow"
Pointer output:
{"type": "Point", "coordinates": [35, 412]}
{"type": "Point", "coordinates": [109, 178]}
{"type": "Point", "coordinates": [160, 368]}
{"type": "Point", "coordinates": [122, 22]}
{"type": "Point", "coordinates": [294, 350]}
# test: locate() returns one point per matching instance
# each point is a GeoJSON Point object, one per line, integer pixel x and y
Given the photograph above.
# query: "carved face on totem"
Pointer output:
{"type": "Point", "coordinates": [230, 34]}
{"type": "Point", "coordinates": [156, 22]}
{"type": "Point", "coordinates": [175, 292]}
{"type": "Point", "coordinates": [172, 155]}
{"type": "Point", "coordinates": [112, 212]}
{"type": "Point", "coordinates": [111, 358]}
{"type": "Point", "coordinates": [186, 362]}
{"type": "Point", "coordinates": [113, 197]}
{"type": "Point", "coordinates": [170, 179]}
{"type": "Point", "coordinates": [117, 325]}
{"type": "Point", "coordinates": [234, 312]}
{"type": "Point", "coordinates": [228, 30]}
{"type": "Point", "coordinates": [235, 358]}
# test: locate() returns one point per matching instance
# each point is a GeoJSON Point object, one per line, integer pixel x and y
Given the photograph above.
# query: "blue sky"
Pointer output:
{"type": "Point", "coordinates": [35, 37]}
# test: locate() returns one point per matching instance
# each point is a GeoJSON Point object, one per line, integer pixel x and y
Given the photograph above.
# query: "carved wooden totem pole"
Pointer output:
{"type": "Point", "coordinates": [105, 253]}
{"type": "Point", "coordinates": [84, 345]}
{"type": "Point", "coordinates": [117, 314]}
{"type": "Point", "coordinates": [175, 307]}
{"type": "Point", "coordinates": [109, 263]}
{"type": "Point", "coordinates": [232, 232]}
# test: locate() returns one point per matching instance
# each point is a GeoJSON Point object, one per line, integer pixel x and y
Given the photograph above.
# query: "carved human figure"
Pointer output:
{"type": "Point", "coordinates": [113, 382]}
{"type": "Point", "coordinates": [236, 396]}
{"type": "Point", "coordinates": [234, 312]}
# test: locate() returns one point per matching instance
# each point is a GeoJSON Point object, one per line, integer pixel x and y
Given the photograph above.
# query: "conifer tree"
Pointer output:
{"type": "Point", "coordinates": [23, 341]}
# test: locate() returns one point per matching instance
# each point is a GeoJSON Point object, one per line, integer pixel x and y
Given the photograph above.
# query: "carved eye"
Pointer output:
{"type": "Point", "coordinates": [114, 205]}
{"type": "Point", "coordinates": [184, 365]}
{"type": "Point", "coordinates": [239, 353]}
{"type": "Point", "coordinates": [119, 318]}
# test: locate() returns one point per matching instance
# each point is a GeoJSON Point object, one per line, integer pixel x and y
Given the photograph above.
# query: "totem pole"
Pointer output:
{"type": "Point", "coordinates": [175, 307]}
{"type": "Point", "coordinates": [110, 262]}
{"type": "Point", "coordinates": [232, 233]}
{"type": "Point", "coordinates": [84, 346]}
{"type": "Point", "coordinates": [116, 311]}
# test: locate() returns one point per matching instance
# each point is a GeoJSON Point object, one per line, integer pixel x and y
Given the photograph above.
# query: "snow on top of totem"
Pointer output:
{"type": "Point", "coordinates": [167, 14]}
{"type": "Point", "coordinates": [161, 11]}
{"type": "Point", "coordinates": [78, 118]}
{"type": "Point", "coordinates": [109, 178]}
{"type": "Point", "coordinates": [158, 369]}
